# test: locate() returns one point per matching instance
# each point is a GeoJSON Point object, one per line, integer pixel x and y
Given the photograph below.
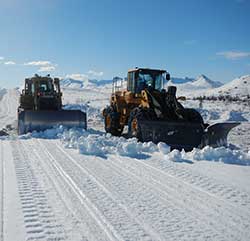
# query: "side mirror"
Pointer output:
{"type": "Point", "coordinates": [167, 76]}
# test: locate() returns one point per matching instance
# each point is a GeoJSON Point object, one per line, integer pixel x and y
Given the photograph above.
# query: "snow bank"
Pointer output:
{"type": "Point", "coordinates": [221, 154]}
{"type": "Point", "coordinates": [92, 142]}
{"type": "Point", "coordinates": [96, 143]}
{"type": "Point", "coordinates": [53, 133]}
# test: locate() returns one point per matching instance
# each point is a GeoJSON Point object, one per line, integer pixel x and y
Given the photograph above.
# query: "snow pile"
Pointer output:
{"type": "Point", "coordinates": [163, 148]}
{"type": "Point", "coordinates": [221, 154]}
{"type": "Point", "coordinates": [53, 133]}
{"type": "Point", "coordinates": [94, 143]}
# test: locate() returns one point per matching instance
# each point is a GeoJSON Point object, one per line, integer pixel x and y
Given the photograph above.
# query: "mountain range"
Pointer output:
{"type": "Point", "coordinates": [201, 85]}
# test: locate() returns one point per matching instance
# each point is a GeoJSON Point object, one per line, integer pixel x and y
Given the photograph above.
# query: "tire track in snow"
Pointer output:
{"type": "Point", "coordinates": [58, 194]}
{"type": "Point", "coordinates": [60, 174]}
{"type": "Point", "coordinates": [40, 222]}
{"type": "Point", "coordinates": [234, 197]}
{"type": "Point", "coordinates": [142, 206]}
{"type": "Point", "coordinates": [227, 221]}
{"type": "Point", "coordinates": [167, 197]}
{"type": "Point", "coordinates": [123, 220]}
{"type": "Point", "coordinates": [240, 219]}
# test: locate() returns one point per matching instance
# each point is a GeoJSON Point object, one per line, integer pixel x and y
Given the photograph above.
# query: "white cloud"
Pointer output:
{"type": "Point", "coordinates": [1, 58]}
{"type": "Point", "coordinates": [93, 73]}
{"type": "Point", "coordinates": [48, 68]}
{"type": "Point", "coordinates": [38, 63]}
{"type": "Point", "coordinates": [44, 65]}
{"type": "Point", "coordinates": [81, 77]}
{"type": "Point", "coordinates": [233, 55]}
{"type": "Point", "coordinates": [9, 63]}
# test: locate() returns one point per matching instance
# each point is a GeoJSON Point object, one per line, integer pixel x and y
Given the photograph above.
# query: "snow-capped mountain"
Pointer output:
{"type": "Point", "coordinates": [237, 87]}
{"type": "Point", "coordinates": [193, 86]}
{"type": "Point", "coordinates": [72, 83]}
{"type": "Point", "coordinates": [86, 83]}
{"type": "Point", "coordinates": [203, 81]}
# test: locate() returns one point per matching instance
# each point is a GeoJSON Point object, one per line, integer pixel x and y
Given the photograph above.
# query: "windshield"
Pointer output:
{"type": "Point", "coordinates": [152, 79]}
{"type": "Point", "coordinates": [45, 86]}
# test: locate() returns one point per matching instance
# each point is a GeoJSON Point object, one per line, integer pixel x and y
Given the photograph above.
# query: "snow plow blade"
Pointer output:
{"type": "Point", "coordinates": [177, 135]}
{"type": "Point", "coordinates": [216, 135]}
{"type": "Point", "coordinates": [29, 120]}
{"type": "Point", "coordinates": [184, 135]}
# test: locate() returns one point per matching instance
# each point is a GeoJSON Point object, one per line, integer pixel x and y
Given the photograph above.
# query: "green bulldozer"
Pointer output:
{"type": "Point", "coordinates": [41, 107]}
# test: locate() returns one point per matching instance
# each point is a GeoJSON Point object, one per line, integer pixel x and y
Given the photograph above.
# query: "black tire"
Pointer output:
{"type": "Point", "coordinates": [112, 122]}
{"type": "Point", "coordinates": [137, 115]}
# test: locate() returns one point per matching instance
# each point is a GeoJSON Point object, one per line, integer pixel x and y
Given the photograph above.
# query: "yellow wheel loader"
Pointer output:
{"type": "Point", "coordinates": [155, 114]}
{"type": "Point", "coordinates": [41, 107]}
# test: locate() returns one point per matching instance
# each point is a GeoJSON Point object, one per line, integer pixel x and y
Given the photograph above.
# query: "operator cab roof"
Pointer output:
{"type": "Point", "coordinates": [147, 69]}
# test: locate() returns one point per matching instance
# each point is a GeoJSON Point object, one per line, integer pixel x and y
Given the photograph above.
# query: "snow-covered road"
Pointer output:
{"type": "Point", "coordinates": [49, 192]}
{"type": "Point", "coordinates": [8, 108]}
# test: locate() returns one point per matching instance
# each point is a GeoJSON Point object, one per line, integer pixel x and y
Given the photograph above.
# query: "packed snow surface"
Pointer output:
{"type": "Point", "coordinates": [74, 184]}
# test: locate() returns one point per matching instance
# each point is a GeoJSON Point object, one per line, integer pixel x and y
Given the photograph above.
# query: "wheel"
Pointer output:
{"type": "Point", "coordinates": [112, 122]}
{"type": "Point", "coordinates": [137, 115]}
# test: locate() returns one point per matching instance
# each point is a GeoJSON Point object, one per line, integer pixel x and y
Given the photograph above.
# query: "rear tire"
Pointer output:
{"type": "Point", "coordinates": [112, 122]}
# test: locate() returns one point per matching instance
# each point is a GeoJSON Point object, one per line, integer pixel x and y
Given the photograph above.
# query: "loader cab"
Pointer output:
{"type": "Point", "coordinates": [140, 79]}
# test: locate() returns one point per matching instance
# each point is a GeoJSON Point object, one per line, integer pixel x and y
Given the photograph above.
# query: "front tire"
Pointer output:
{"type": "Point", "coordinates": [134, 129]}
{"type": "Point", "coordinates": [112, 122]}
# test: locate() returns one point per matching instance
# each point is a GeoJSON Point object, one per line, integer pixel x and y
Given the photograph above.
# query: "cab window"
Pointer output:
{"type": "Point", "coordinates": [131, 81]}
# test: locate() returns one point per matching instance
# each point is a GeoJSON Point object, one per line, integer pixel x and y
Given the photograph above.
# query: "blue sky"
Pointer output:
{"type": "Point", "coordinates": [103, 38]}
